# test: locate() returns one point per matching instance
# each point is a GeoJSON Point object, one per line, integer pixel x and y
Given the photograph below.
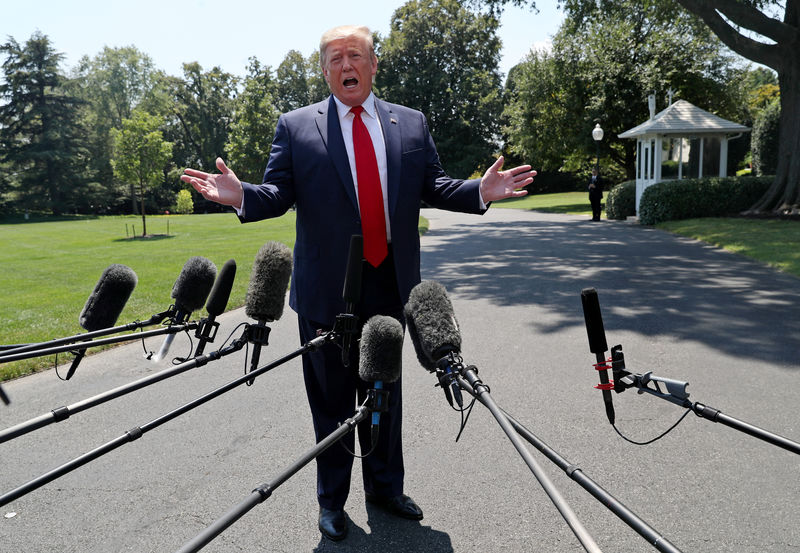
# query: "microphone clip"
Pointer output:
{"type": "Point", "coordinates": [258, 334]}
{"type": "Point", "coordinates": [346, 324]}
{"type": "Point", "coordinates": [378, 400]}
{"type": "Point", "coordinates": [207, 330]}
{"type": "Point", "coordinates": [447, 377]}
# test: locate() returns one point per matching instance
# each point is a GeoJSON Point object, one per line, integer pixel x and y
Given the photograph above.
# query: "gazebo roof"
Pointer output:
{"type": "Point", "coordinates": [683, 118]}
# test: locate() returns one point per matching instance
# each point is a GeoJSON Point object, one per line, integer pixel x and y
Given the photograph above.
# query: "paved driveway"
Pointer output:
{"type": "Point", "coordinates": [728, 326]}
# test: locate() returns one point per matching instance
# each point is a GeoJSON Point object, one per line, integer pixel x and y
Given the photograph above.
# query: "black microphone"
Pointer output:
{"type": "Point", "coordinates": [434, 332]}
{"type": "Point", "coordinates": [216, 304]}
{"type": "Point", "coordinates": [351, 294]}
{"type": "Point", "coordinates": [105, 303]}
{"type": "Point", "coordinates": [266, 293]}
{"type": "Point", "coordinates": [190, 291]}
{"type": "Point", "coordinates": [597, 344]}
{"type": "Point", "coordinates": [381, 355]}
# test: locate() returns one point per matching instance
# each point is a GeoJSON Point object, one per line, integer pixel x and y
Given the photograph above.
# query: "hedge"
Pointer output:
{"type": "Point", "coordinates": [708, 197]}
{"type": "Point", "coordinates": [621, 201]}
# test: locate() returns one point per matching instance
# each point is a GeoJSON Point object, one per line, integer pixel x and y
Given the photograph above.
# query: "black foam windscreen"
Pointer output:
{"type": "Point", "coordinates": [352, 277]}
{"type": "Point", "coordinates": [431, 323]}
{"type": "Point", "coordinates": [108, 298]}
{"type": "Point", "coordinates": [221, 292]}
{"type": "Point", "coordinates": [381, 349]}
{"type": "Point", "coordinates": [194, 284]}
{"type": "Point", "coordinates": [594, 321]}
{"type": "Point", "coordinates": [269, 280]}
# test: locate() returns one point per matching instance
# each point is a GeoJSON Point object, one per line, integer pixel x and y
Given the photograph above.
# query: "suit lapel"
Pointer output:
{"type": "Point", "coordinates": [391, 135]}
{"type": "Point", "coordinates": [331, 132]}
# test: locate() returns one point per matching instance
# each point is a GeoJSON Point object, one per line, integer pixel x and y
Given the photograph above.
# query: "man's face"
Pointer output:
{"type": "Point", "coordinates": [349, 69]}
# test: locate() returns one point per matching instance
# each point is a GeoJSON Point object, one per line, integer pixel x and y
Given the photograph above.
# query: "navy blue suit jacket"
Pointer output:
{"type": "Point", "coordinates": [308, 167]}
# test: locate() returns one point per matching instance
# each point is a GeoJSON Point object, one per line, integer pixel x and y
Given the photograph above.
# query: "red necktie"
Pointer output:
{"type": "Point", "coordinates": [370, 197]}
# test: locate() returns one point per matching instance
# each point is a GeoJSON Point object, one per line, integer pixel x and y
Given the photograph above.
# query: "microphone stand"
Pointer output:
{"type": "Point", "coordinates": [576, 474]}
{"type": "Point", "coordinates": [81, 346]}
{"type": "Point", "coordinates": [264, 491]}
{"type": "Point", "coordinates": [675, 392]}
{"type": "Point", "coordinates": [62, 413]}
{"type": "Point", "coordinates": [19, 348]}
{"type": "Point", "coordinates": [469, 375]}
{"type": "Point", "coordinates": [139, 431]}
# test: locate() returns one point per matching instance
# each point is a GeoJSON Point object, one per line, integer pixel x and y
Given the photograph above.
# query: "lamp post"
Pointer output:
{"type": "Point", "coordinates": [597, 135]}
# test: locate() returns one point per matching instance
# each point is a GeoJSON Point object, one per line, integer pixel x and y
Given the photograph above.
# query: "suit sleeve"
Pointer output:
{"type": "Point", "coordinates": [276, 194]}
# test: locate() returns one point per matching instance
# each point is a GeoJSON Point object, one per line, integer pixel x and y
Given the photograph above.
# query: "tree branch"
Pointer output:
{"type": "Point", "coordinates": [752, 18]}
{"type": "Point", "coordinates": [766, 54]}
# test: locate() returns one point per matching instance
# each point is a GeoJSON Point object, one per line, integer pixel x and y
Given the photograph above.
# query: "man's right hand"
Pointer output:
{"type": "Point", "coordinates": [225, 188]}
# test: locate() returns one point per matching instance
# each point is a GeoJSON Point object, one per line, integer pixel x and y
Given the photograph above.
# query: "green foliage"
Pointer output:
{"type": "Point", "coordinates": [184, 205]}
{"type": "Point", "coordinates": [442, 59]}
{"type": "Point", "coordinates": [112, 84]}
{"type": "Point", "coordinates": [254, 119]}
{"type": "Point", "coordinates": [606, 59]}
{"type": "Point", "coordinates": [708, 197]}
{"type": "Point", "coordinates": [41, 136]}
{"type": "Point", "coordinates": [621, 201]}
{"type": "Point", "coordinates": [764, 139]}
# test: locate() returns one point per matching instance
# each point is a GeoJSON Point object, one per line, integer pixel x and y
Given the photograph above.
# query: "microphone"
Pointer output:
{"type": "Point", "coordinates": [105, 303]}
{"type": "Point", "coordinates": [381, 354]}
{"type": "Point", "coordinates": [434, 332]}
{"type": "Point", "coordinates": [216, 304]}
{"type": "Point", "coordinates": [190, 291]}
{"type": "Point", "coordinates": [266, 293]}
{"type": "Point", "coordinates": [351, 294]}
{"type": "Point", "coordinates": [597, 344]}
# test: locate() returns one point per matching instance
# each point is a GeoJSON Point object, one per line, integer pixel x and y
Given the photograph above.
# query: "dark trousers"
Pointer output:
{"type": "Point", "coordinates": [596, 201]}
{"type": "Point", "coordinates": [333, 390]}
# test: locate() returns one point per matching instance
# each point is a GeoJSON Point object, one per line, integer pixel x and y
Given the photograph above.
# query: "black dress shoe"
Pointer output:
{"type": "Point", "coordinates": [400, 506]}
{"type": "Point", "coordinates": [333, 523]}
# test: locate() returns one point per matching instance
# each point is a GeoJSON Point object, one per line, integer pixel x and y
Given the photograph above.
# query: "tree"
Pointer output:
{"type": "Point", "coordinates": [40, 134]}
{"type": "Point", "coordinates": [442, 59]}
{"type": "Point", "coordinates": [291, 82]}
{"type": "Point", "coordinates": [778, 47]}
{"type": "Point", "coordinates": [748, 28]}
{"type": "Point", "coordinates": [602, 67]}
{"type": "Point", "coordinates": [255, 117]}
{"type": "Point", "coordinates": [112, 83]}
{"type": "Point", "coordinates": [140, 154]}
{"type": "Point", "coordinates": [202, 114]}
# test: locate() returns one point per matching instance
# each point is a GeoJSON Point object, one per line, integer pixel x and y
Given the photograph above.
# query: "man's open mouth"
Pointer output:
{"type": "Point", "coordinates": [350, 82]}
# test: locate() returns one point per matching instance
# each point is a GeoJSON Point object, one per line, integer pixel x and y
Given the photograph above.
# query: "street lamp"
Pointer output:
{"type": "Point", "coordinates": [597, 135]}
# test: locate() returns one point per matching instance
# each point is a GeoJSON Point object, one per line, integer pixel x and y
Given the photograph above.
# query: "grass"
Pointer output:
{"type": "Point", "coordinates": [571, 203]}
{"type": "Point", "coordinates": [775, 242]}
{"type": "Point", "coordinates": [50, 268]}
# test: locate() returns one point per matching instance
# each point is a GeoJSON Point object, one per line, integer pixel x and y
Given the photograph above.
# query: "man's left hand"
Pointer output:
{"type": "Point", "coordinates": [499, 185]}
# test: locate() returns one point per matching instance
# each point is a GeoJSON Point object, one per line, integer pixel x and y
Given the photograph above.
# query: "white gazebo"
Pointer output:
{"type": "Point", "coordinates": [682, 141]}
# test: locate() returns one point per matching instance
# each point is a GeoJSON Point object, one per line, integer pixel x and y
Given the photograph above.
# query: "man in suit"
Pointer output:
{"type": "Point", "coordinates": [353, 171]}
{"type": "Point", "coordinates": [595, 194]}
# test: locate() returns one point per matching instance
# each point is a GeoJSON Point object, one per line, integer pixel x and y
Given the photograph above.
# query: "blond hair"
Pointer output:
{"type": "Point", "coordinates": [344, 31]}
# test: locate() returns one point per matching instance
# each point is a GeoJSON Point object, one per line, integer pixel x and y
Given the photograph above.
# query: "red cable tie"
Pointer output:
{"type": "Point", "coordinates": [604, 366]}
{"type": "Point", "coordinates": [604, 387]}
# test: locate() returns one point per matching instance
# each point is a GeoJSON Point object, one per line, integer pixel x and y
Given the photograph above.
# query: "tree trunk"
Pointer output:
{"type": "Point", "coordinates": [134, 208]}
{"type": "Point", "coordinates": [144, 222]}
{"type": "Point", "coordinates": [783, 196]}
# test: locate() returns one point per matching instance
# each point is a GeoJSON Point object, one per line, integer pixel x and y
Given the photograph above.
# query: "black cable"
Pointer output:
{"type": "Point", "coordinates": [667, 431]}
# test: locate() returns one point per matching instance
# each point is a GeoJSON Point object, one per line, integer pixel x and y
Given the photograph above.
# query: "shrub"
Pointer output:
{"type": "Point", "coordinates": [621, 201]}
{"type": "Point", "coordinates": [764, 142]}
{"type": "Point", "coordinates": [185, 204]}
{"type": "Point", "coordinates": [708, 197]}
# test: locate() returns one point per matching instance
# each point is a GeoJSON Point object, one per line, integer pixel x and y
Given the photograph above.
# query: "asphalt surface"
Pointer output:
{"type": "Point", "coordinates": [681, 309]}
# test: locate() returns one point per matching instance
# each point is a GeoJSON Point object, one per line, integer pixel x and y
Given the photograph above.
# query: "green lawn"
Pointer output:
{"type": "Point", "coordinates": [572, 203]}
{"type": "Point", "coordinates": [50, 268]}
